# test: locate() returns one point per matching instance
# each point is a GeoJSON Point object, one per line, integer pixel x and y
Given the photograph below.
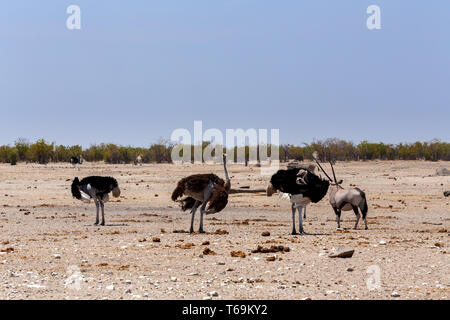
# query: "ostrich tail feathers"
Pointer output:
{"type": "Point", "coordinates": [178, 192]}
{"type": "Point", "coordinates": [218, 201]}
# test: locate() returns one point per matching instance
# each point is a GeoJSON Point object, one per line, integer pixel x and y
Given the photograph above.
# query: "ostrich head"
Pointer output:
{"type": "Point", "coordinates": [116, 192]}
{"type": "Point", "coordinates": [270, 190]}
{"type": "Point", "coordinates": [75, 190]}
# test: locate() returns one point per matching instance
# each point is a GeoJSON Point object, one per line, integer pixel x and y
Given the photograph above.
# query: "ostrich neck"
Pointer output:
{"type": "Point", "coordinates": [227, 178]}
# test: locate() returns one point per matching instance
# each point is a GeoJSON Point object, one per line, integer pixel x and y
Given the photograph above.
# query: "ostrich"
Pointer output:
{"type": "Point", "coordinates": [301, 186]}
{"type": "Point", "coordinates": [97, 188]}
{"type": "Point", "coordinates": [76, 160]}
{"type": "Point", "coordinates": [203, 189]}
{"type": "Point", "coordinates": [346, 199]}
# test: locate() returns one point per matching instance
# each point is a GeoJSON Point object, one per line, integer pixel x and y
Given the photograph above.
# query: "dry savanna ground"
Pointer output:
{"type": "Point", "coordinates": [50, 249]}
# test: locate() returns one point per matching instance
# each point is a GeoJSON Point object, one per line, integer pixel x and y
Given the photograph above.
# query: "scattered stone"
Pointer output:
{"type": "Point", "coordinates": [13, 274]}
{"type": "Point", "coordinates": [270, 258]}
{"type": "Point", "coordinates": [447, 193]}
{"type": "Point", "coordinates": [265, 234]}
{"type": "Point", "coordinates": [350, 269]}
{"type": "Point", "coordinates": [173, 279]}
{"type": "Point", "coordinates": [155, 239]}
{"type": "Point", "coordinates": [57, 256]}
{"type": "Point", "coordinates": [111, 288]}
{"type": "Point", "coordinates": [382, 242]}
{"type": "Point", "coordinates": [395, 294]}
{"type": "Point", "coordinates": [36, 286]}
{"type": "Point", "coordinates": [205, 243]}
{"type": "Point", "coordinates": [214, 294]}
{"type": "Point", "coordinates": [207, 298]}
{"type": "Point", "coordinates": [340, 252]}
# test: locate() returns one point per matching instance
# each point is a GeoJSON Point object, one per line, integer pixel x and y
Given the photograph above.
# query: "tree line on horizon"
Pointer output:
{"type": "Point", "coordinates": [43, 152]}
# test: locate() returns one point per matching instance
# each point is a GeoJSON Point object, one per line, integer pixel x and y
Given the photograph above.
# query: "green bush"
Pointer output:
{"type": "Point", "coordinates": [13, 157]}
{"type": "Point", "coordinates": [159, 152]}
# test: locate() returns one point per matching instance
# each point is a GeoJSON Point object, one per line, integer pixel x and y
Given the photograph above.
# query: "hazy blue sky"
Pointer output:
{"type": "Point", "coordinates": [137, 70]}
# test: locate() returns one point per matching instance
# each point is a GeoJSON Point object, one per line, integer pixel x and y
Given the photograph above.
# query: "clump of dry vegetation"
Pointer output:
{"type": "Point", "coordinates": [237, 254]}
{"type": "Point", "coordinates": [280, 248]}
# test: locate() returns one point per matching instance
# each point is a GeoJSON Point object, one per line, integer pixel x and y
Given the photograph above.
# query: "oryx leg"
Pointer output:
{"type": "Point", "coordinates": [355, 209]}
{"type": "Point", "coordinates": [293, 219]}
{"type": "Point", "coordinates": [194, 208]}
{"type": "Point", "coordinates": [364, 215]}
{"type": "Point", "coordinates": [338, 216]}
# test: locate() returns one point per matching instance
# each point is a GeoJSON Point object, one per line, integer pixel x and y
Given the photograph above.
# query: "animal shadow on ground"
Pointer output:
{"type": "Point", "coordinates": [108, 225]}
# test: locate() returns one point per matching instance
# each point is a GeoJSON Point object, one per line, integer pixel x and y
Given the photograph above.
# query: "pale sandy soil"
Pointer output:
{"type": "Point", "coordinates": [59, 254]}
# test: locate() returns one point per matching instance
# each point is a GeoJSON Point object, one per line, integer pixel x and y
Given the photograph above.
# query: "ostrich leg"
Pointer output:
{"type": "Point", "coordinates": [304, 213]}
{"type": "Point", "coordinates": [293, 220]}
{"type": "Point", "coordinates": [300, 221]}
{"type": "Point", "coordinates": [102, 205]}
{"type": "Point", "coordinates": [202, 211]}
{"type": "Point", "coordinates": [194, 208]}
{"type": "Point", "coordinates": [98, 209]}
{"type": "Point", "coordinates": [206, 197]}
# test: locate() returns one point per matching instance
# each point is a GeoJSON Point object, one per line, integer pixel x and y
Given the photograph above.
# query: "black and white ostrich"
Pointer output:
{"type": "Point", "coordinates": [203, 189]}
{"type": "Point", "coordinates": [75, 161]}
{"type": "Point", "coordinates": [302, 187]}
{"type": "Point", "coordinates": [97, 188]}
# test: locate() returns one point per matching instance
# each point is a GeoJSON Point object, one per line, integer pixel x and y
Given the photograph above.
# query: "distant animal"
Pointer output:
{"type": "Point", "coordinates": [98, 189]}
{"type": "Point", "coordinates": [203, 189]}
{"type": "Point", "coordinates": [446, 193]}
{"type": "Point", "coordinates": [346, 199]}
{"type": "Point", "coordinates": [442, 171]}
{"type": "Point", "coordinates": [138, 160]}
{"type": "Point", "coordinates": [302, 187]}
{"type": "Point", "coordinates": [75, 161]}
